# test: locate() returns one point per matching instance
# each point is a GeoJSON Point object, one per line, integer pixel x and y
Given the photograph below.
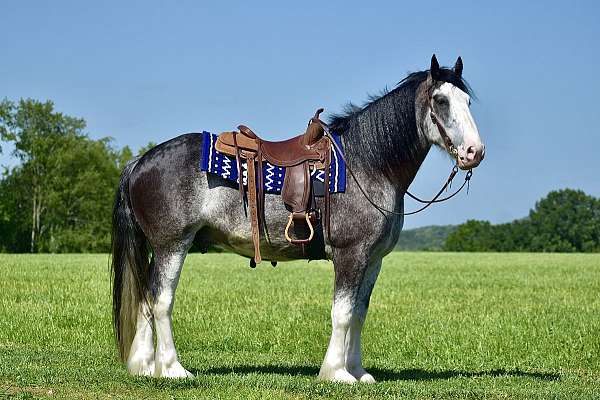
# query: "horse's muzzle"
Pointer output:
{"type": "Point", "coordinates": [471, 157]}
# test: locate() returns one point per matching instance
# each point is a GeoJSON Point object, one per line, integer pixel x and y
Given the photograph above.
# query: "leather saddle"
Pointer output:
{"type": "Point", "coordinates": [299, 155]}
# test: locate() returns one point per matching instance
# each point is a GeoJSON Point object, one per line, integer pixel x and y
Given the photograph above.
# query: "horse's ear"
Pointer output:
{"type": "Point", "coordinates": [458, 67]}
{"type": "Point", "coordinates": [435, 68]}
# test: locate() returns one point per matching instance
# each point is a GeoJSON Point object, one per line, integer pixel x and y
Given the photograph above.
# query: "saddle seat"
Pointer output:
{"type": "Point", "coordinates": [285, 153]}
{"type": "Point", "coordinates": [299, 155]}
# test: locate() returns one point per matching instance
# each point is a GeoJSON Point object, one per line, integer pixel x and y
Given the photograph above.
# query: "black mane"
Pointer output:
{"type": "Point", "coordinates": [385, 127]}
{"type": "Point", "coordinates": [337, 122]}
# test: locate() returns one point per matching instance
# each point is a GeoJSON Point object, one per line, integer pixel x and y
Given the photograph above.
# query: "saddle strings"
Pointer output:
{"type": "Point", "coordinates": [427, 203]}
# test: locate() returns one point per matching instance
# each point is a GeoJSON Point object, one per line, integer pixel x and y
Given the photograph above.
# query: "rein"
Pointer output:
{"type": "Point", "coordinates": [436, 199]}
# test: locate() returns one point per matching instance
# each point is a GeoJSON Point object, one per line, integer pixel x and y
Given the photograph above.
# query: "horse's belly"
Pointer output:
{"type": "Point", "coordinates": [273, 246]}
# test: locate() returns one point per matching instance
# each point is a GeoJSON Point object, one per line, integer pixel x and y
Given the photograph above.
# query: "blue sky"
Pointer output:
{"type": "Point", "coordinates": [148, 71]}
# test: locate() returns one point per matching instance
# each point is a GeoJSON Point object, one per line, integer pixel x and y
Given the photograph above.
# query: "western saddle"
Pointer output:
{"type": "Point", "coordinates": [299, 155]}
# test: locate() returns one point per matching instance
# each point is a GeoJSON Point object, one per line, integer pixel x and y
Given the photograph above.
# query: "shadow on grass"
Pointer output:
{"type": "Point", "coordinates": [425, 375]}
{"type": "Point", "coordinates": [380, 374]}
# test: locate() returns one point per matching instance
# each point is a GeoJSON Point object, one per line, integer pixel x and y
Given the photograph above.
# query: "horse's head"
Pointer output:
{"type": "Point", "coordinates": [450, 124]}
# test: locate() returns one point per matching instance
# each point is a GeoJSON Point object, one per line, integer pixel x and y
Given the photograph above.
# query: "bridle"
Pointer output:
{"type": "Point", "coordinates": [441, 128]}
{"type": "Point", "coordinates": [452, 150]}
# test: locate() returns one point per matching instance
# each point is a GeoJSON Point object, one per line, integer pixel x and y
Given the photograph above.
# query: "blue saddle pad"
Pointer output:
{"type": "Point", "coordinates": [226, 167]}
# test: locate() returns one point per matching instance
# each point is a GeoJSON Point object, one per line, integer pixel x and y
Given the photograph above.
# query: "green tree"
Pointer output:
{"type": "Point", "coordinates": [83, 191]}
{"type": "Point", "coordinates": [566, 221]}
{"type": "Point", "coordinates": [473, 235]}
{"type": "Point", "coordinates": [59, 197]}
{"type": "Point", "coordinates": [38, 134]}
{"type": "Point", "coordinates": [14, 213]}
{"type": "Point", "coordinates": [144, 149]}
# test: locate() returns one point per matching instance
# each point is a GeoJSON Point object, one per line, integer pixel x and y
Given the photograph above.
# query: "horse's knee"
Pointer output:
{"type": "Point", "coordinates": [342, 311]}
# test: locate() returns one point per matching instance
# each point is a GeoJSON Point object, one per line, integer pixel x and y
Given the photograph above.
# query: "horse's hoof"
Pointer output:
{"type": "Point", "coordinates": [175, 370]}
{"type": "Point", "coordinates": [367, 378]}
{"type": "Point", "coordinates": [141, 367]}
{"type": "Point", "coordinates": [361, 375]}
{"type": "Point", "coordinates": [338, 375]}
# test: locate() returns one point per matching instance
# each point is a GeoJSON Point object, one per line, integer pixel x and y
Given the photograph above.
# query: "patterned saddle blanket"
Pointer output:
{"type": "Point", "coordinates": [226, 167]}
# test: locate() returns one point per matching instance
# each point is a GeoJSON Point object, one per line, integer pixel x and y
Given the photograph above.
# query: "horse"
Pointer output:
{"type": "Point", "coordinates": [164, 203]}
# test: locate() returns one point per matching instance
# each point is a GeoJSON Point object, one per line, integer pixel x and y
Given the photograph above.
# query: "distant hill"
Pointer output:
{"type": "Point", "coordinates": [431, 238]}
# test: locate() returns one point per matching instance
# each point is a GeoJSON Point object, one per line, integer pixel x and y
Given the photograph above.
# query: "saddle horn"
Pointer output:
{"type": "Point", "coordinates": [315, 130]}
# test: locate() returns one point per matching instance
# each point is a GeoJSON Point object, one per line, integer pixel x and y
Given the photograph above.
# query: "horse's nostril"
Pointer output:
{"type": "Point", "coordinates": [471, 151]}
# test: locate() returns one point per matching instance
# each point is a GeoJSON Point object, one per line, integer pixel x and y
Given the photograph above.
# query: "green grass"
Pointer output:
{"type": "Point", "coordinates": [440, 326]}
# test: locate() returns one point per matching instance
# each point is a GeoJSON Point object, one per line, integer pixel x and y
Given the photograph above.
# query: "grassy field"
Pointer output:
{"type": "Point", "coordinates": [440, 326]}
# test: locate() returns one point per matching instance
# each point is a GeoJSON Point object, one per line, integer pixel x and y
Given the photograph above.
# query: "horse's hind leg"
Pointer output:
{"type": "Point", "coordinates": [141, 355]}
{"type": "Point", "coordinates": [168, 265]}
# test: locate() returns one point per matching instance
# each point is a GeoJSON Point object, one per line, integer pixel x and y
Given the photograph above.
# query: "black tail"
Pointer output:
{"type": "Point", "coordinates": [130, 266]}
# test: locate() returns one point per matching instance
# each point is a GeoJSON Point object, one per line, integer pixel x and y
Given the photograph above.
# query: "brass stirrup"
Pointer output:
{"type": "Point", "coordinates": [299, 241]}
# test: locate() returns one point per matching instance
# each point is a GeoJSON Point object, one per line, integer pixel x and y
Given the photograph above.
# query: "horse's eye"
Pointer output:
{"type": "Point", "coordinates": [441, 100]}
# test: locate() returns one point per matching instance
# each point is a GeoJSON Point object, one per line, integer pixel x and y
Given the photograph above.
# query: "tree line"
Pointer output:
{"type": "Point", "coordinates": [59, 196]}
{"type": "Point", "coordinates": [564, 221]}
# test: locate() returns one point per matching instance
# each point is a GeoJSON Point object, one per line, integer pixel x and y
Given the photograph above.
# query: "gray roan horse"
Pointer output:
{"type": "Point", "coordinates": [165, 203]}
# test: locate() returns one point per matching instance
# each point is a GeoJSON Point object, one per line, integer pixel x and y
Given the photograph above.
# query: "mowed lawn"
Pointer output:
{"type": "Point", "coordinates": [440, 326]}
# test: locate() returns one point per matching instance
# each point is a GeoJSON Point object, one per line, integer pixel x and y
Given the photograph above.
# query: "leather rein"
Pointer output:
{"type": "Point", "coordinates": [437, 198]}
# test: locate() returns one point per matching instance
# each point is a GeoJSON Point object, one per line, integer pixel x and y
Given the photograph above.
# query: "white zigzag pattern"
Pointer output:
{"type": "Point", "coordinates": [226, 167]}
{"type": "Point", "coordinates": [269, 178]}
{"type": "Point", "coordinates": [320, 175]}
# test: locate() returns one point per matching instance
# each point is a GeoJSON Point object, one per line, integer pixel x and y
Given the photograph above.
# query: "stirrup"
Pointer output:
{"type": "Point", "coordinates": [299, 241]}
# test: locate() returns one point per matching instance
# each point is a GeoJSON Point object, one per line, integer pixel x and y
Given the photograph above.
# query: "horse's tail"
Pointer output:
{"type": "Point", "coordinates": [130, 266]}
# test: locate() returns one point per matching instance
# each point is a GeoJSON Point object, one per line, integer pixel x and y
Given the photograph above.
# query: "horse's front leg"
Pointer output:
{"type": "Point", "coordinates": [353, 285]}
{"type": "Point", "coordinates": [353, 349]}
{"type": "Point", "coordinates": [334, 365]}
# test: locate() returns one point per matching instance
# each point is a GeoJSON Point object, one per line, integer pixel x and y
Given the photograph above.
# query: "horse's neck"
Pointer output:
{"type": "Point", "coordinates": [421, 119]}
{"type": "Point", "coordinates": [396, 178]}
{"type": "Point", "coordinates": [385, 190]}
{"type": "Point", "coordinates": [410, 170]}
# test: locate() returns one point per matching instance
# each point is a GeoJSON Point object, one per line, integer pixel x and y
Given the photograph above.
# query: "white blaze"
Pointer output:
{"type": "Point", "coordinates": [459, 124]}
